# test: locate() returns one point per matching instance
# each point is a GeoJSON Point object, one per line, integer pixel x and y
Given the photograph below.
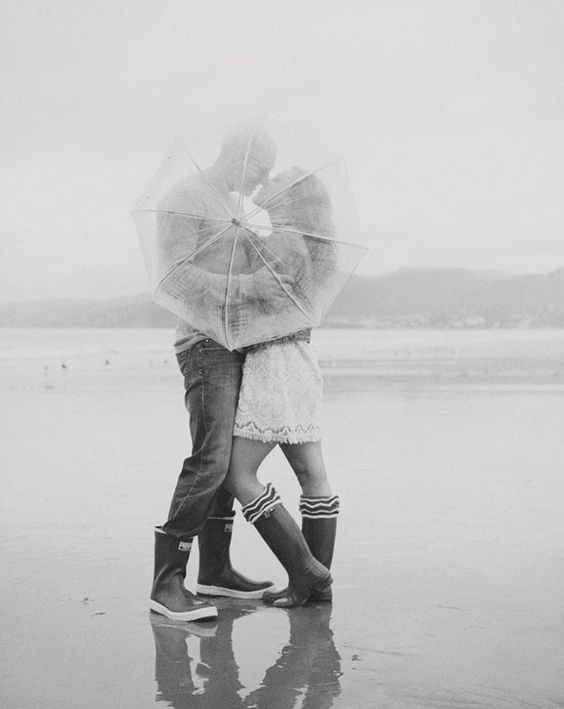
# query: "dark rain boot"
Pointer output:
{"type": "Point", "coordinates": [319, 527]}
{"type": "Point", "coordinates": [216, 576]}
{"type": "Point", "coordinates": [169, 597]}
{"type": "Point", "coordinates": [277, 527]}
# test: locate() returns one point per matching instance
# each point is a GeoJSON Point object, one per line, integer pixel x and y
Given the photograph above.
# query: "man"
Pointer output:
{"type": "Point", "coordinates": [212, 376]}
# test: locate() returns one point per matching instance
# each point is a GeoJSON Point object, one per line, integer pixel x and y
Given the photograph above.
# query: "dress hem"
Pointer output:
{"type": "Point", "coordinates": [265, 438]}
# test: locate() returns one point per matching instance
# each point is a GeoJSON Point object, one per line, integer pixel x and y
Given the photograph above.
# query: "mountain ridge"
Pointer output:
{"type": "Point", "coordinates": [407, 297]}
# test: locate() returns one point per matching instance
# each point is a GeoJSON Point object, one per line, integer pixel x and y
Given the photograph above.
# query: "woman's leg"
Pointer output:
{"type": "Point", "coordinates": [246, 458]}
{"type": "Point", "coordinates": [263, 508]}
{"type": "Point", "coordinates": [318, 506]}
{"type": "Point", "coordinates": [307, 463]}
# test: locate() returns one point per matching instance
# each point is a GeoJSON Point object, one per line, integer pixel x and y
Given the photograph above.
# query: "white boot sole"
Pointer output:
{"type": "Point", "coordinates": [196, 614]}
{"type": "Point", "coordinates": [204, 590]}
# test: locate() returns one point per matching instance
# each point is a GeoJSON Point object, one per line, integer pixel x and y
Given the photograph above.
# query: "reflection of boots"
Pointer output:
{"type": "Point", "coordinates": [210, 683]}
{"type": "Point", "coordinates": [216, 576]}
{"type": "Point", "coordinates": [310, 631]}
{"type": "Point", "coordinates": [173, 670]}
{"type": "Point", "coordinates": [279, 530]}
{"type": "Point", "coordinates": [168, 595]}
{"type": "Point", "coordinates": [308, 665]}
{"type": "Point", "coordinates": [219, 664]}
{"type": "Point", "coordinates": [319, 527]}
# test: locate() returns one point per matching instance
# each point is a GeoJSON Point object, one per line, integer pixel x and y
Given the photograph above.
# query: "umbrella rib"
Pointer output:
{"type": "Point", "coordinates": [227, 284]}
{"type": "Point", "coordinates": [288, 187]}
{"type": "Point", "coordinates": [214, 190]}
{"type": "Point", "coordinates": [273, 272]}
{"type": "Point", "coordinates": [298, 232]}
{"type": "Point", "coordinates": [263, 246]}
{"type": "Point", "coordinates": [243, 171]}
{"type": "Point", "coordinates": [223, 220]}
{"type": "Point", "coordinates": [177, 265]}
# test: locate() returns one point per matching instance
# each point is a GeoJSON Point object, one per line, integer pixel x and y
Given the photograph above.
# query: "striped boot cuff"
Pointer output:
{"type": "Point", "coordinates": [319, 507]}
{"type": "Point", "coordinates": [261, 504]}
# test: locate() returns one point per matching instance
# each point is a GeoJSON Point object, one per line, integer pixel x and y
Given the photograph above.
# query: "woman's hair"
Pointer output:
{"type": "Point", "coordinates": [303, 231]}
{"type": "Point", "coordinates": [309, 209]}
{"type": "Point", "coordinates": [304, 204]}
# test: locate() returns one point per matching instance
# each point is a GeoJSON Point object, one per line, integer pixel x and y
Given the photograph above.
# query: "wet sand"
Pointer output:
{"type": "Point", "coordinates": [449, 564]}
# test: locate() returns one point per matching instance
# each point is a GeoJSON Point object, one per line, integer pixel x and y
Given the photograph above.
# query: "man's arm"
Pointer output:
{"type": "Point", "coordinates": [195, 278]}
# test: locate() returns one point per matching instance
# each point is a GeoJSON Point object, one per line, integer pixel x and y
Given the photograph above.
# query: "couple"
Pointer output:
{"type": "Point", "coordinates": [244, 403]}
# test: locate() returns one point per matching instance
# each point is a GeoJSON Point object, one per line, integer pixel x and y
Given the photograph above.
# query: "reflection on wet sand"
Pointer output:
{"type": "Point", "coordinates": [308, 666]}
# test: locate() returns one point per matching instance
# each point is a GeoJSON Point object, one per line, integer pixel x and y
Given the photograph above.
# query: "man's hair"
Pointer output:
{"type": "Point", "coordinates": [254, 140]}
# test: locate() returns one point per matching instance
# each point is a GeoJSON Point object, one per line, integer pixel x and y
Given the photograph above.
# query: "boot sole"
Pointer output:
{"type": "Point", "coordinates": [325, 596]}
{"type": "Point", "coordinates": [321, 587]}
{"type": "Point", "coordinates": [321, 596]}
{"type": "Point", "coordinates": [196, 614]}
{"type": "Point", "coordinates": [203, 590]}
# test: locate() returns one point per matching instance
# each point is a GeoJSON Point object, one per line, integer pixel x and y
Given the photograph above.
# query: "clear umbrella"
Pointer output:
{"type": "Point", "coordinates": [257, 243]}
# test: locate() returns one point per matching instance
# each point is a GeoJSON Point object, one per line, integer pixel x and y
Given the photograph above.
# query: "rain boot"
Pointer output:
{"type": "Point", "coordinates": [169, 597]}
{"type": "Point", "coordinates": [216, 576]}
{"type": "Point", "coordinates": [277, 527]}
{"type": "Point", "coordinates": [319, 527]}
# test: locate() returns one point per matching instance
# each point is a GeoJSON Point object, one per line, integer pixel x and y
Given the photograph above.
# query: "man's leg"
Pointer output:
{"type": "Point", "coordinates": [212, 377]}
{"type": "Point", "coordinates": [169, 596]}
{"type": "Point", "coordinates": [216, 575]}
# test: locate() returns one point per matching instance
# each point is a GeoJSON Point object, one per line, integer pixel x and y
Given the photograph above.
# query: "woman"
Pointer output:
{"type": "Point", "coordinates": [280, 398]}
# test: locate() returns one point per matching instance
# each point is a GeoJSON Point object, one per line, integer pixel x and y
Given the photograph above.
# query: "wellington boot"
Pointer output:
{"type": "Point", "coordinates": [320, 537]}
{"type": "Point", "coordinates": [169, 597]}
{"type": "Point", "coordinates": [216, 576]}
{"type": "Point", "coordinates": [306, 575]}
{"type": "Point", "coordinates": [319, 533]}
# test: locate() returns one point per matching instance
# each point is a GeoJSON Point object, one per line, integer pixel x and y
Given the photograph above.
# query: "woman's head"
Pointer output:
{"type": "Point", "coordinates": [296, 198]}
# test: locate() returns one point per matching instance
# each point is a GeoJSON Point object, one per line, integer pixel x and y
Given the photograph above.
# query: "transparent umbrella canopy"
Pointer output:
{"type": "Point", "coordinates": [256, 242]}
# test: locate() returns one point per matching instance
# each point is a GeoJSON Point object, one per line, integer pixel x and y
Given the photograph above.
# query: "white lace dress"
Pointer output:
{"type": "Point", "coordinates": [280, 396]}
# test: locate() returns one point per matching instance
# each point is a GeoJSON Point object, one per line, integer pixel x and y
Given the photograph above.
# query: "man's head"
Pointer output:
{"type": "Point", "coordinates": [246, 158]}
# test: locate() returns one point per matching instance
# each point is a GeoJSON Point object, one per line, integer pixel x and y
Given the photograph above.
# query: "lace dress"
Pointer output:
{"type": "Point", "coordinates": [280, 396]}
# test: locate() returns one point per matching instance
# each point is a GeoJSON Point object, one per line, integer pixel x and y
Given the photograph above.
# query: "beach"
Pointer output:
{"type": "Point", "coordinates": [446, 449]}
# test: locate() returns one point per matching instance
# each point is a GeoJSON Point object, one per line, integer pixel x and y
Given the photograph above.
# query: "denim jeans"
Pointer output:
{"type": "Point", "coordinates": [212, 378]}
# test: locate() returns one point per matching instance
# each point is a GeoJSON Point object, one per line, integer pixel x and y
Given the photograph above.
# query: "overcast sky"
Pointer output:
{"type": "Point", "coordinates": [450, 112]}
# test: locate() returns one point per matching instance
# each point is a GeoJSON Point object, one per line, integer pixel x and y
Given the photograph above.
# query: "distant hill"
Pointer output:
{"type": "Point", "coordinates": [133, 311]}
{"type": "Point", "coordinates": [439, 296]}
{"type": "Point", "coordinates": [409, 297]}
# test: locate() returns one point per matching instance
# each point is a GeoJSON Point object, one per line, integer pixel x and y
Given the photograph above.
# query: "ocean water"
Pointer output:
{"type": "Point", "coordinates": [447, 452]}
{"type": "Point", "coordinates": [360, 352]}
{"type": "Point", "coordinates": [341, 343]}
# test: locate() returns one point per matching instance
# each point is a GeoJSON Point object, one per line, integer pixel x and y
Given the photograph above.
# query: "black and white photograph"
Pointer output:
{"type": "Point", "coordinates": [282, 354]}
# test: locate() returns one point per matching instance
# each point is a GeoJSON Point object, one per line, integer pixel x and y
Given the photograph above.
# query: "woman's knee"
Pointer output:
{"type": "Point", "coordinates": [307, 463]}
{"type": "Point", "coordinates": [246, 457]}
{"type": "Point", "coordinates": [310, 476]}
{"type": "Point", "coordinates": [305, 459]}
{"type": "Point", "coordinates": [230, 484]}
